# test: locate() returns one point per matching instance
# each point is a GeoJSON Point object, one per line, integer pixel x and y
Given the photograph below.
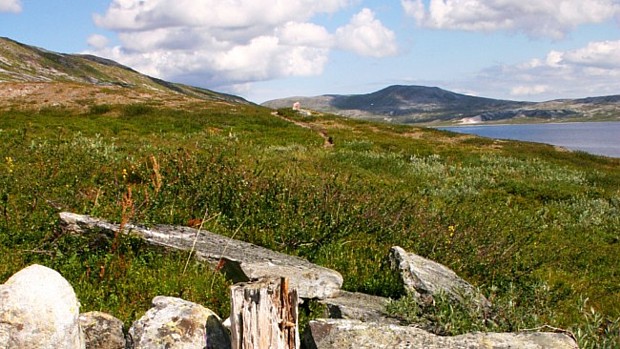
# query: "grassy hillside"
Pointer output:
{"type": "Point", "coordinates": [535, 228]}
{"type": "Point", "coordinates": [25, 66]}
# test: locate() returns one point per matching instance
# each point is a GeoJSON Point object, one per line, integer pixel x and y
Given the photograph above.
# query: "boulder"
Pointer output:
{"type": "Point", "coordinates": [358, 306]}
{"type": "Point", "coordinates": [102, 331]}
{"type": "Point", "coordinates": [176, 323]}
{"type": "Point", "coordinates": [39, 309]}
{"type": "Point", "coordinates": [242, 261]}
{"type": "Point", "coordinates": [424, 279]}
{"type": "Point", "coordinates": [353, 334]}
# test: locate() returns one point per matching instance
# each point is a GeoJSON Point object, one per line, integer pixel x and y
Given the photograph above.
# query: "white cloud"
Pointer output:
{"type": "Point", "coordinates": [603, 55]}
{"type": "Point", "coordinates": [10, 6]}
{"type": "Point", "coordinates": [528, 90]}
{"type": "Point", "coordinates": [593, 70]}
{"type": "Point", "coordinates": [227, 44]}
{"type": "Point", "coordinates": [535, 18]}
{"type": "Point", "coordinates": [304, 34]}
{"type": "Point", "coordinates": [367, 36]}
{"type": "Point", "coordinates": [97, 41]}
{"type": "Point", "coordinates": [144, 15]}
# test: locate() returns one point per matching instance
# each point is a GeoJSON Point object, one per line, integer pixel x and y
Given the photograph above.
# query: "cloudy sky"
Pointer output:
{"type": "Point", "coordinates": [263, 49]}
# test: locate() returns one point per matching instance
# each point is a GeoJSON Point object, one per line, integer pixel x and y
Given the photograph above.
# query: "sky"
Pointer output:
{"type": "Point", "coordinates": [533, 50]}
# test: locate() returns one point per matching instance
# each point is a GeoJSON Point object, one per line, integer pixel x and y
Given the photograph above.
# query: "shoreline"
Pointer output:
{"type": "Point", "coordinates": [520, 124]}
{"type": "Point", "coordinates": [595, 140]}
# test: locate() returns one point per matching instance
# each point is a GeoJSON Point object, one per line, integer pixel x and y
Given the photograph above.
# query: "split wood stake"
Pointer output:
{"type": "Point", "coordinates": [264, 315]}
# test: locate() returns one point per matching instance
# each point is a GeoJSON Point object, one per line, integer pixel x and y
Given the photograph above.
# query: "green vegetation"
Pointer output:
{"type": "Point", "coordinates": [536, 229]}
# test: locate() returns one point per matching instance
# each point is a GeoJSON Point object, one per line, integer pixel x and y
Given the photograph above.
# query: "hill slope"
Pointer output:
{"type": "Point", "coordinates": [420, 104]}
{"type": "Point", "coordinates": [26, 67]}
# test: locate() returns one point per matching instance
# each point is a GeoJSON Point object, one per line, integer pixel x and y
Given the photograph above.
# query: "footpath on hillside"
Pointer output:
{"type": "Point", "coordinates": [328, 142]}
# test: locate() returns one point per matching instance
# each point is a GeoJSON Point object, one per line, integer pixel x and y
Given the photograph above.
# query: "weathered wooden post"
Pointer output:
{"type": "Point", "coordinates": [264, 315]}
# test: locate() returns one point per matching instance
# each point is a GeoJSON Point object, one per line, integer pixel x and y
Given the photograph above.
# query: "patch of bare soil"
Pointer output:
{"type": "Point", "coordinates": [413, 135]}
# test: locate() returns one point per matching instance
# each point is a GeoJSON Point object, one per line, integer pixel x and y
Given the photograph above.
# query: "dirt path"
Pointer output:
{"type": "Point", "coordinates": [327, 140]}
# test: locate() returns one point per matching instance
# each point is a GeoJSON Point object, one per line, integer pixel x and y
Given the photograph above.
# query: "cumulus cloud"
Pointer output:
{"type": "Point", "coordinates": [603, 55]}
{"type": "Point", "coordinates": [144, 15]}
{"type": "Point", "coordinates": [594, 68]}
{"type": "Point", "coordinates": [367, 36]}
{"type": "Point", "coordinates": [535, 18]}
{"type": "Point", "coordinates": [227, 44]}
{"type": "Point", "coordinates": [10, 6]}
{"type": "Point", "coordinates": [97, 41]}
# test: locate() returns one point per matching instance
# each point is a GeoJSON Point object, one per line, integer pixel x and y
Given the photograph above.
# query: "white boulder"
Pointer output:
{"type": "Point", "coordinates": [39, 309]}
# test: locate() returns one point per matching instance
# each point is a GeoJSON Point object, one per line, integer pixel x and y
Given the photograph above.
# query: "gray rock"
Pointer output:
{"type": "Point", "coordinates": [424, 278]}
{"type": "Point", "coordinates": [242, 261]}
{"type": "Point", "coordinates": [353, 334]}
{"type": "Point", "coordinates": [358, 306]}
{"type": "Point", "coordinates": [39, 309]}
{"type": "Point", "coordinates": [102, 331]}
{"type": "Point", "coordinates": [176, 323]}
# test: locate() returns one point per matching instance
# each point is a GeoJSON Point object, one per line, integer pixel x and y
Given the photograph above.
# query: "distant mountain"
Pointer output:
{"type": "Point", "coordinates": [420, 104]}
{"type": "Point", "coordinates": [25, 67]}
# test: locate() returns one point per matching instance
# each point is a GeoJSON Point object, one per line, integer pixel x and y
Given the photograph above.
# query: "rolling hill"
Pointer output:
{"type": "Point", "coordinates": [47, 78]}
{"type": "Point", "coordinates": [420, 104]}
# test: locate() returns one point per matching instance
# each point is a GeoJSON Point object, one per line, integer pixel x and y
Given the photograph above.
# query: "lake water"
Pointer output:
{"type": "Point", "coordinates": [601, 138]}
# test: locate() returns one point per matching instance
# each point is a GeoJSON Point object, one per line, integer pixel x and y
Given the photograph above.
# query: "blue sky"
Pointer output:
{"type": "Point", "coordinates": [263, 49]}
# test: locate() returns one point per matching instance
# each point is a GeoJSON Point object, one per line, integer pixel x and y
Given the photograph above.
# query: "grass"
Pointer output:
{"type": "Point", "coordinates": [535, 229]}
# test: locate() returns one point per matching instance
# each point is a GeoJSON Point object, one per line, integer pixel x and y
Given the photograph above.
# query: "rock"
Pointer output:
{"type": "Point", "coordinates": [176, 323]}
{"type": "Point", "coordinates": [353, 334]}
{"type": "Point", "coordinates": [424, 278]}
{"type": "Point", "coordinates": [358, 306]}
{"type": "Point", "coordinates": [39, 309]}
{"type": "Point", "coordinates": [102, 331]}
{"type": "Point", "coordinates": [242, 261]}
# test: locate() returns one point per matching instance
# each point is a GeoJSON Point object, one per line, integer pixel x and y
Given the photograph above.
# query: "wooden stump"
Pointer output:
{"type": "Point", "coordinates": [264, 315]}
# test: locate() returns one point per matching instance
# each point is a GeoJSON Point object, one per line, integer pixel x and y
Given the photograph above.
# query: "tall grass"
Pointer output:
{"type": "Point", "coordinates": [535, 230]}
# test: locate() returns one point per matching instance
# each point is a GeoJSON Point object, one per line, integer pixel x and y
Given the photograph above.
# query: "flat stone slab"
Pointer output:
{"type": "Point", "coordinates": [242, 261]}
{"type": "Point", "coordinates": [353, 334]}
{"type": "Point", "coordinates": [358, 306]}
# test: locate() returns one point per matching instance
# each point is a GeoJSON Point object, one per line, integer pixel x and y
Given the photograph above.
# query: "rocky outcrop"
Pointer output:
{"type": "Point", "coordinates": [425, 279]}
{"type": "Point", "coordinates": [353, 334]}
{"type": "Point", "coordinates": [358, 306]}
{"type": "Point", "coordinates": [176, 323]}
{"type": "Point", "coordinates": [242, 261]}
{"type": "Point", "coordinates": [39, 309]}
{"type": "Point", "coordinates": [102, 331]}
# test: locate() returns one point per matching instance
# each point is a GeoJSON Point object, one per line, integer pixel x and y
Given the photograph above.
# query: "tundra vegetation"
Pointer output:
{"type": "Point", "coordinates": [537, 229]}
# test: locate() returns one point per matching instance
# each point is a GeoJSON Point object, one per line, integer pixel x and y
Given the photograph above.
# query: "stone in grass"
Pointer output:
{"type": "Point", "coordinates": [358, 306]}
{"type": "Point", "coordinates": [176, 323]}
{"type": "Point", "coordinates": [39, 309]}
{"type": "Point", "coordinates": [424, 278]}
{"type": "Point", "coordinates": [240, 260]}
{"type": "Point", "coordinates": [354, 334]}
{"type": "Point", "coordinates": [102, 331]}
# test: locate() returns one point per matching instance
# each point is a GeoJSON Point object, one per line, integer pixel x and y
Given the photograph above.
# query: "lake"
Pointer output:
{"type": "Point", "coordinates": [601, 138]}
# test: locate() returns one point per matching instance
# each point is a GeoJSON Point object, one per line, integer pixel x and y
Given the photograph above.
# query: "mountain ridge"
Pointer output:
{"type": "Point", "coordinates": [412, 104]}
{"type": "Point", "coordinates": [24, 67]}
